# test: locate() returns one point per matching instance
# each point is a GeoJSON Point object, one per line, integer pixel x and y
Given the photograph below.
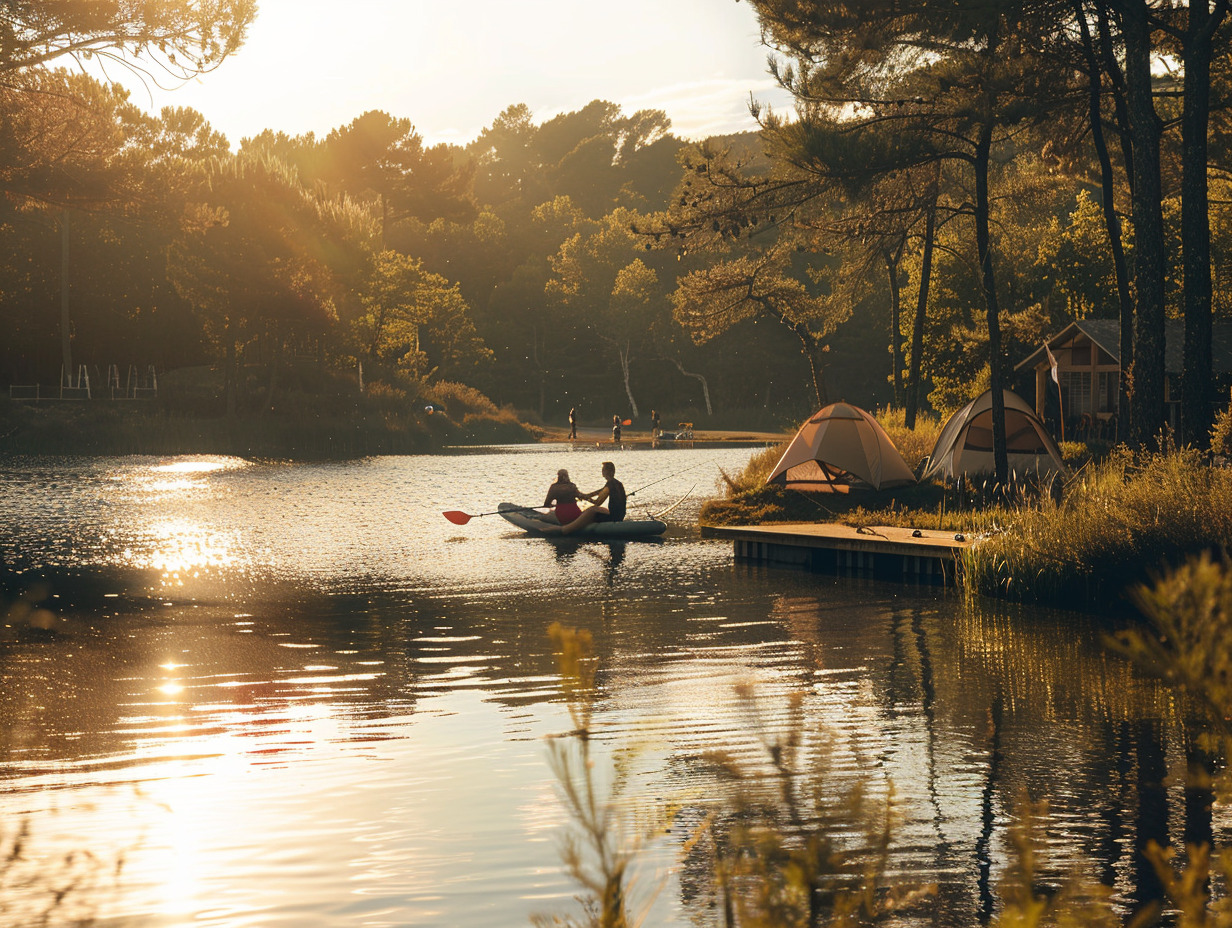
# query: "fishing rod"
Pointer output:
{"type": "Point", "coordinates": [668, 477]}
{"type": "Point", "coordinates": [660, 515]}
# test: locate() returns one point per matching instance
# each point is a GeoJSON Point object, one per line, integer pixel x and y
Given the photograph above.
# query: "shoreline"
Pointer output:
{"type": "Point", "coordinates": [600, 437]}
{"type": "Point", "coordinates": [148, 431]}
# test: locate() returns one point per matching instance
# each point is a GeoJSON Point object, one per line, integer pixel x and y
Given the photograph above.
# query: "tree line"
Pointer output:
{"type": "Point", "coordinates": [914, 115]}
{"type": "Point", "coordinates": [956, 182]}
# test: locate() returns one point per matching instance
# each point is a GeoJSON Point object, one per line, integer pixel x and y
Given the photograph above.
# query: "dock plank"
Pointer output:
{"type": "Point", "coordinates": [828, 533]}
{"type": "Point", "coordinates": [887, 551]}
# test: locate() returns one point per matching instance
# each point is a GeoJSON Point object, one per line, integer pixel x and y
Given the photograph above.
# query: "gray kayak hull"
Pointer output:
{"type": "Point", "coordinates": [542, 523]}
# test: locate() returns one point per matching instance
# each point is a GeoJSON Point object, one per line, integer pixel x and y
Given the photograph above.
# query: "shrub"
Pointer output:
{"type": "Point", "coordinates": [459, 400]}
{"type": "Point", "coordinates": [753, 475]}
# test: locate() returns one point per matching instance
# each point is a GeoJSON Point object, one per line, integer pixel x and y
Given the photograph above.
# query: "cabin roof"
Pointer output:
{"type": "Point", "coordinates": [1106, 333]}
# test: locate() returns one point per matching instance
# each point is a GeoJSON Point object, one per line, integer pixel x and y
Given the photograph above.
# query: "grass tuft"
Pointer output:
{"type": "Point", "coordinates": [1120, 521]}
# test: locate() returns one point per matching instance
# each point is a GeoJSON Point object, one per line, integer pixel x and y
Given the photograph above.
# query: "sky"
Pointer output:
{"type": "Point", "coordinates": [452, 67]}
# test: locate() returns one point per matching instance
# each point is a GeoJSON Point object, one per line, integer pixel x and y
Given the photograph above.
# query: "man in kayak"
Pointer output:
{"type": "Point", "coordinates": [612, 492]}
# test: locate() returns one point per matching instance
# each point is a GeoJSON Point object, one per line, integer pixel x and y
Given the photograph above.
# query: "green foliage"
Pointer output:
{"type": "Point", "coordinates": [781, 846]}
{"type": "Point", "coordinates": [474, 417]}
{"type": "Point", "coordinates": [780, 842]}
{"type": "Point", "coordinates": [1188, 641]}
{"type": "Point", "coordinates": [1078, 903]}
{"type": "Point", "coordinates": [537, 262]}
{"type": "Point", "coordinates": [182, 37]}
{"type": "Point", "coordinates": [416, 320]}
{"type": "Point", "coordinates": [755, 473]}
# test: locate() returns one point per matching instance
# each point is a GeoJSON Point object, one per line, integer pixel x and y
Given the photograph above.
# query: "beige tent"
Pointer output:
{"type": "Point", "coordinates": [965, 444]}
{"type": "Point", "coordinates": [839, 447]}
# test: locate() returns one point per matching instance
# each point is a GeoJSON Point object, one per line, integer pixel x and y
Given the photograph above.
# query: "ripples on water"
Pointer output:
{"type": "Point", "coordinates": [294, 694]}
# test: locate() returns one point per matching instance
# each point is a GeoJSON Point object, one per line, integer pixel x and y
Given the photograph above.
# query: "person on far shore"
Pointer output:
{"type": "Point", "coordinates": [564, 494]}
{"type": "Point", "coordinates": [654, 424]}
{"type": "Point", "coordinates": [612, 492]}
{"type": "Point", "coordinates": [573, 422]}
{"type": "Point", "coordinates": [615, 428]}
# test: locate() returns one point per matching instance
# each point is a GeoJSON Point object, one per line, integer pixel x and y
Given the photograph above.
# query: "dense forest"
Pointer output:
{"type": "Point", "coordinates": [956, 183]}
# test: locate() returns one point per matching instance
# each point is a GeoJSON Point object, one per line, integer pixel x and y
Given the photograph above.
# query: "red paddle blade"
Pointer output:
{"type": "Point", "coordinates": [456, 517]}
{"type": "Point", "coordinates": [627, 422]}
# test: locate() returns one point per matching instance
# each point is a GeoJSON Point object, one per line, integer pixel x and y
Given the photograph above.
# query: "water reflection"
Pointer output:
{"type": "Point", "coordinates": [335, 714]}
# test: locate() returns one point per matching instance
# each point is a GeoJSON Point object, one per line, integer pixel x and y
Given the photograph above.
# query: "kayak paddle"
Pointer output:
{"type": "Point", "coordinates": [461, 518]}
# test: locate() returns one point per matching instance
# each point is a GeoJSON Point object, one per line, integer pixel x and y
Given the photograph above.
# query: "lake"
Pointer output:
{"type": "Point", "coordinates": [275, 693]}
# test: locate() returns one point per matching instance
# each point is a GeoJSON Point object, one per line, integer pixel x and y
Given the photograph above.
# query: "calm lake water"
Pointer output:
{"type": "Point", "coordinates": [294, 694]}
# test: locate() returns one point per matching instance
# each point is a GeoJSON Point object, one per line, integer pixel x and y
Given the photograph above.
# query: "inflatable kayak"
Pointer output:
{"type": "Point", "coordinates": [544, 523]}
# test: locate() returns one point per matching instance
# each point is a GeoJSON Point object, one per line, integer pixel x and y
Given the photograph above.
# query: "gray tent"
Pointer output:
{"type": "Point", "coordinates": [965, 444]}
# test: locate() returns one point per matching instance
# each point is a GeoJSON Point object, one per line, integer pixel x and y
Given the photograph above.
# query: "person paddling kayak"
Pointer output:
{"type": "Point", "coordinates": [612, 492]}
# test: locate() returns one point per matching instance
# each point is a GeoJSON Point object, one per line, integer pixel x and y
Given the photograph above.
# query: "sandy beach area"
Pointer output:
{"type": "Point", "coordinates": [632, 436]}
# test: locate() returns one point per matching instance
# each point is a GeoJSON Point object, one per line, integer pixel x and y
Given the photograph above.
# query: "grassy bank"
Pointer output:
{"type": "Point", "coordinates": [1118, 522]}
{"type": "Point", "coordinates": [320, 419]}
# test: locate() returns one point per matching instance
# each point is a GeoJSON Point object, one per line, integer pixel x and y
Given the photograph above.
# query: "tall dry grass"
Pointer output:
{"type": "Point", "coordinates": [913, 444]}
{"type": "Point", "coordinates": [1120, 521]}
{"type": "Point", "coordinates": [754, 473]}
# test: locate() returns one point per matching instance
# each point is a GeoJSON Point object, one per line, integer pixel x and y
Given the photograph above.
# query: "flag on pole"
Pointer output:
{"type": "Point", "coordinates": [1052, 362]}
{"type": "Point", "coordinates": [1056, 378]}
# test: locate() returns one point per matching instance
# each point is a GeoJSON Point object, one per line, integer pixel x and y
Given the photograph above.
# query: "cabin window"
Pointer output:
{"type": "Point", "coordinates": [1108, 385]}
{"type": "Point", "coordinates": [1076, 385]}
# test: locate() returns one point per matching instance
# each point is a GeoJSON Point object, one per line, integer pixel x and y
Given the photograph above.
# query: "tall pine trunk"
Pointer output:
{"type": "Point", "coordinates": [1112, 222]}
{"type": "Point", "coordinates": [1196, 405]}
{"type": "Point", "coordinates": [988, 279]}
{"type": "Point", "coordinates": [1147, 405]}
{"type": "Point", "coordinates": [921, 309]}
{"type": "Point", "coordinates": [892, 259]}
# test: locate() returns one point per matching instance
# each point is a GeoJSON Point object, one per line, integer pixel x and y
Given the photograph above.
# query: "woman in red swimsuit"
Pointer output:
{"type": "Point", "coordinates": [565, 495]}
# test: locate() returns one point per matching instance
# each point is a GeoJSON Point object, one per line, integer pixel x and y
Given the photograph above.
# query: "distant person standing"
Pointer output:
{"type": "Point", "coordinates": [615, 428]}
{"type": "Point", "coordinates": [573, 422]}
{"type": "Point", "coordinates": [654, 423]}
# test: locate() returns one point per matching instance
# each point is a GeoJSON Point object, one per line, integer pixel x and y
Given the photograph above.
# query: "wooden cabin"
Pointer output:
{"type": "Point", "coordinates": [1088, 354]}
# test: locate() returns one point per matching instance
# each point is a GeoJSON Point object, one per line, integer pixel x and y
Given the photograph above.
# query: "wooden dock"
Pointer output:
{"type": "Point", "coordinates": [881, 551]}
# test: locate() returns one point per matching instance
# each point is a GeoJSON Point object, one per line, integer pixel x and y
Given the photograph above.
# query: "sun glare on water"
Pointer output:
{"type": "Point", "coordinates": [181, 547]}
{"type": "Point", "coordinates": [163, 535]}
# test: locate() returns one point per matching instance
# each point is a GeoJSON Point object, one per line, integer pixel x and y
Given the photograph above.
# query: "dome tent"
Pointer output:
{"type": "Point", "coordinates": [841, 446]}
{"type": "Point", "coordinates": [964, 446]}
